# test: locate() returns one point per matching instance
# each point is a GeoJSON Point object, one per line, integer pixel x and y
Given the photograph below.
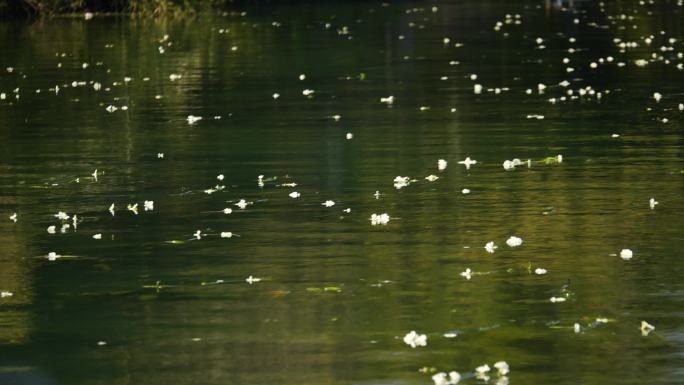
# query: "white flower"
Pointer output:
{"type": "Point", "coordinates": [62, 216]}
{"type": "Point", "coordinates": [97, 236]}
{"type": "Point", "coordinates": [481, 371]}
{"type": "Point", "coordinates": [477, 88]}
{"type": "Point", "coordinates": [149, 205]}
{"type": "Point", "coordinates": [302, 77]}
{"type": "Point", "coordinates": [467, 162]}
{"type": "Point", "coordinates": [51, 229]}
{"type": "Point", "coordinates": [467, 274]}
{"type": "Point", "coordinates": [381, 219]}
{"type": "Point", "coordinates": [454, 377]}
{"type": "Point", "coordinates": [52, 256]}
{"type": "Point", "coordinates": [514, 241]}
{"type": "Point", "coordinates": [250, 280]}
{"type": "Point", "coordinates": [465, 191]}
{"type": "Point", "coordinates": [490, 247]}
{"type": "Point", "coordinates": [220, 177]}
{"type": "Point", "coordinates": [4, 294]}
{"type": "Point", "coordinates": [387, 100]}
{"type": "Point", "coordinates": [111, 209]}
{"type": "Point", "coordinates": [540, 271]}
{"type": "Point", "coordinates": [626, 254]}
{"type": "Point", "coordinates": [508, 165]}
{"type": "Point", "coordinates": [349, 136]}
{"type": "Point", "coordinates": [160, 155]}
{"type": "Point", "coordinates": [174, 77]}
{"type": "Point", "coordinates": [227, 211]}
{"type": "Point", "coordinates": [192, 119]}
{"type": "Point", "coordinates": [432, 178]}
{"type": "Point", "coordinates": [414, 339]}
{"type": "Point", "coordinates": [657, 96]}
{"type": "Point", "coordinates": [295, 195]}
{"type": "Point", "coordinates": [226, 234]}
{"type": "Point", "coordinates": [441, 164]}
{"type": "Point", "coordinates": [440, 379]}
{"type": "Point", "coordinates": [328, 203]}
{"type": "Point", "coordinates": [652, 203]}
{"type": "Point", "coordinates": [94, 175]}
{"type": "Point", "coordinates": [275, 95]}
{"type": "Point", "coordinates": [401, 181]}
{"type": "Point", "coordinates": [111, 108]}
{"type": "Point", "coordinates": [577, 328]}
{"type": "Point", "coordinates": [13, 217]}
{"type": "Point", "coordinates": [557, 299]}
{"type": "Point", "coordinates": [443, 379]}
{"type": "Point", "coordinates": [308, 92]}
{"type": "Point", "coordinates": [646, 328]}
{"type": "Point", "coordinates": [242, 204]}
{"type": "Point", "coordinates": [559, 158]}
{"type": "Point", "coordinates": [502, 367]}
{"type": "Point", "coordinates": [133, 208]}
{"type": "Point", "coordinates": [198, 234]}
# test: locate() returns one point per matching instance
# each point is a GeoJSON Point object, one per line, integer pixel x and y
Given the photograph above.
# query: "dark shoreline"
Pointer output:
{"type": "Point", "coordinates": [79, 8]}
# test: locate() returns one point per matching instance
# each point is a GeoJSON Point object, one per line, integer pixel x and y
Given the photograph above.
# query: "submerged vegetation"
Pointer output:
{"type": "Point", "coordinates": [144, 7]}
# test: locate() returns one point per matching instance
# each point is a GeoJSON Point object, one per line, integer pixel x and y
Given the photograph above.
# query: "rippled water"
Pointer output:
{"type": "Point", "coordinates": [337, 294]}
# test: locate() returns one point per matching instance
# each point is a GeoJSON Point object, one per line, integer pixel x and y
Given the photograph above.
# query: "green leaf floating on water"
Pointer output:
{"type": "Point", "coordinates": [550, 160]}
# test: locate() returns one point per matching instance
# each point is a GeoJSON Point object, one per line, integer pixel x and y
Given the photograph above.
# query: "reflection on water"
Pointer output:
{"type": "Point", "coordinates": [149, 303]}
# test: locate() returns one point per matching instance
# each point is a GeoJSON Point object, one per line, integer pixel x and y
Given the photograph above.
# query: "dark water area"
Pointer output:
{"type": "Point", "coordinates": [332, 295]}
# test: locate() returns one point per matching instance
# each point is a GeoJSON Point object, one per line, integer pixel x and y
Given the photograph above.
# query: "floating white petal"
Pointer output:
{"type": "Point", "coordinates": [646, 328]}
{"type": "Point", "coordinates": [250, 280]}
{"type": "Point", "coordinates": [414, 339]}
{"type": "Point", "coordinates": [502, 367]}
{"type": "Point", "coordinates": [467, 162]}
{"type": "Point", "coordinates": [514, 241]}
{"type": "Point", "coordinates": [379, 219]}
{"type": "Point", "coordinates": [652, 203]}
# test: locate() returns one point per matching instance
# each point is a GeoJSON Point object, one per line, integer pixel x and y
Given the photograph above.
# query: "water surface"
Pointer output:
{"type": "Point", "coordinates": [337, 294]}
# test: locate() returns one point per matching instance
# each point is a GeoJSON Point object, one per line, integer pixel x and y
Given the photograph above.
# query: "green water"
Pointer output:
{"type": "Point", "coordinates": [338, 294]}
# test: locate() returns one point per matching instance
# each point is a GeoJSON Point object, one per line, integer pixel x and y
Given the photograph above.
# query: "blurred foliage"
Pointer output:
{"type": "Point", "coordinates": [145, 7]}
